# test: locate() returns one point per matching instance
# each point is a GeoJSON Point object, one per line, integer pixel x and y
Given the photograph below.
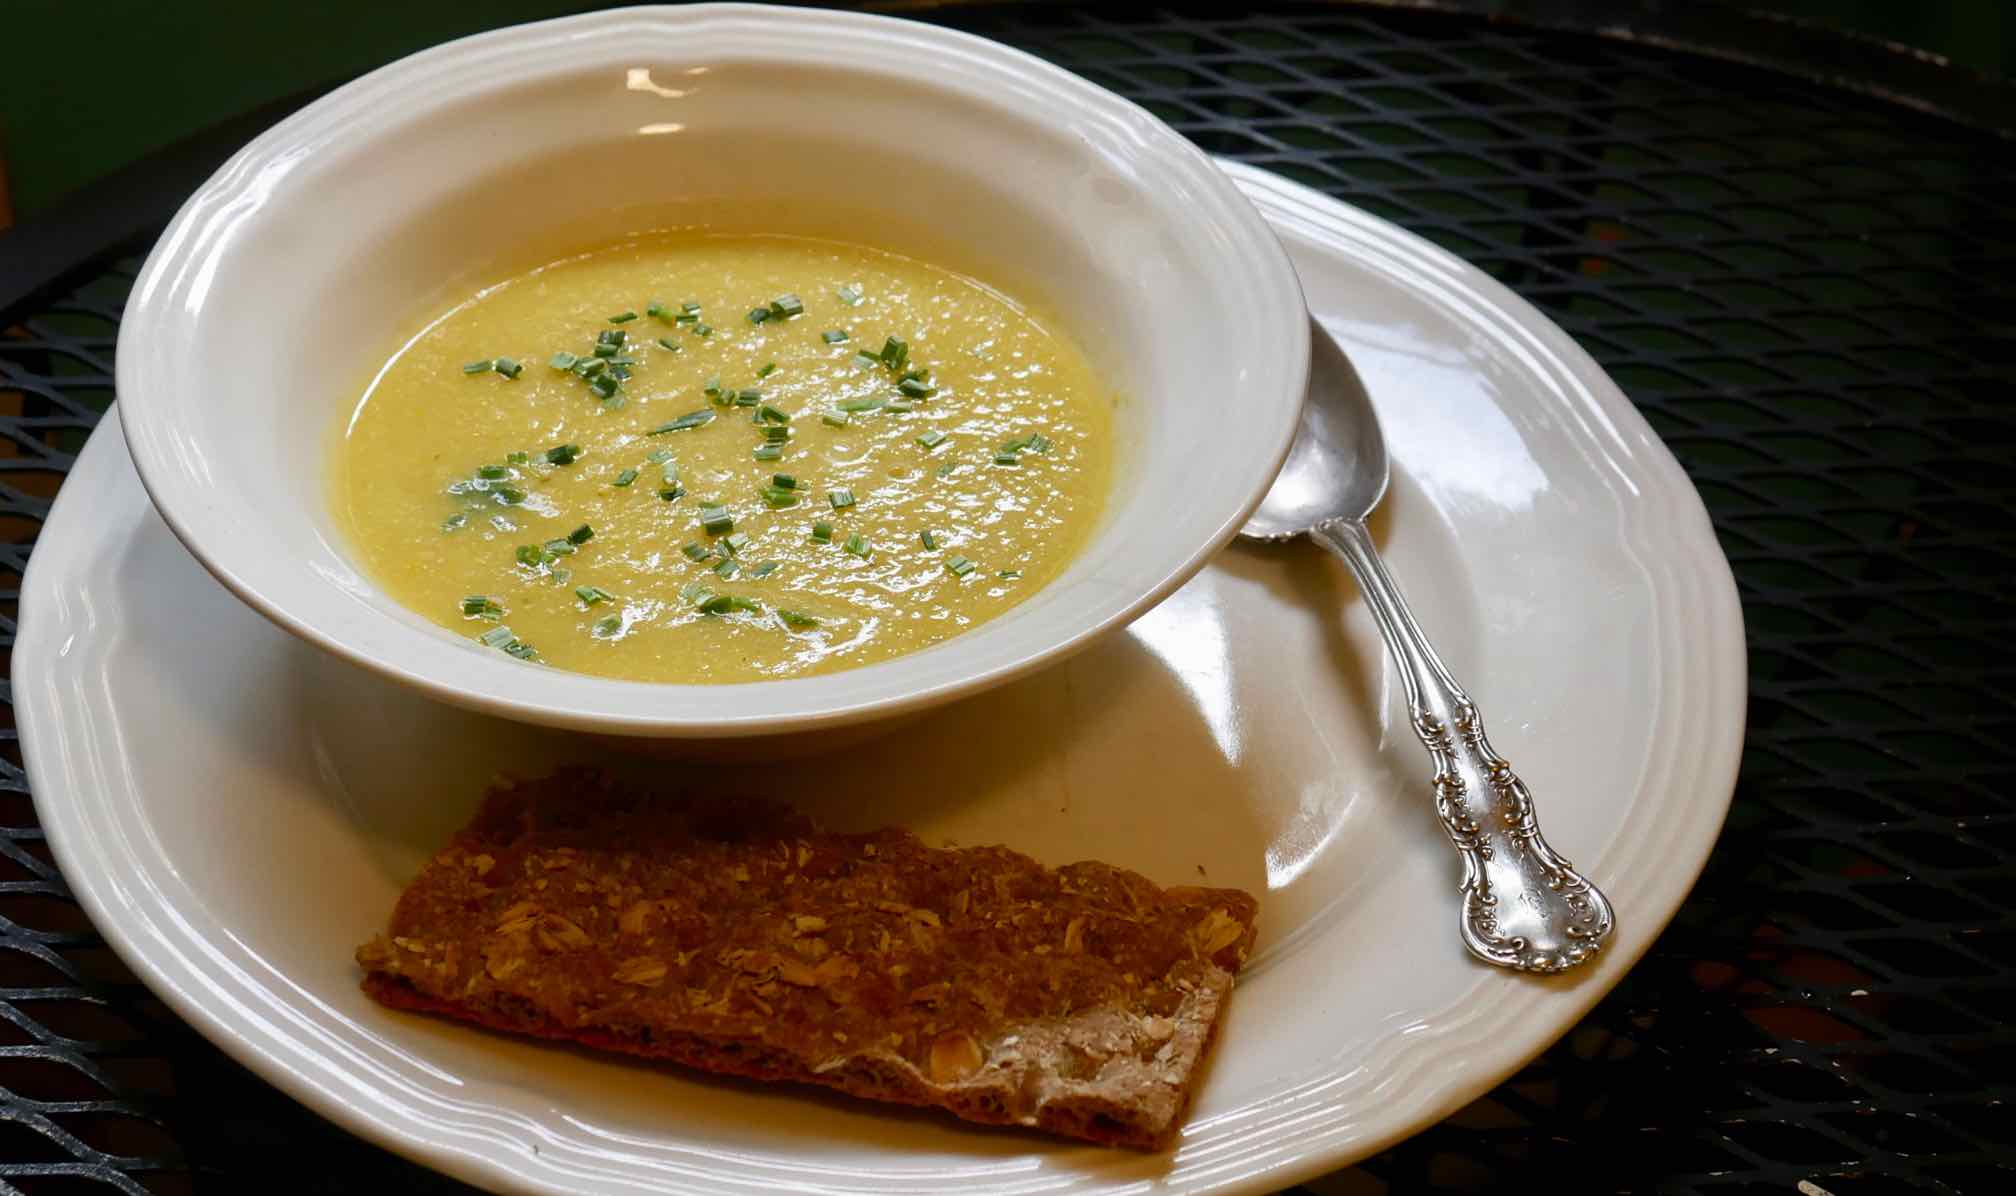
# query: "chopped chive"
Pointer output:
{"type": "Point", "coordinates": [793, 618]}
{"type": "Point", "coordinates": [758, 314]}
{"type": "Point", "coordinates": [915, 374]}
{"type": "Point", "coordinates": [776, 433]}
{"type": "Point", "coordinates": [669, 343]}
{"type": "Point", "coordinates": [1039, 443]}
{"type": "Point", "coordinates": [771, 414]}
{"type": "Point", "coordinates": [611, 336]}
{"type": "Point", "coordinates": [766, 369]}
{"type": "Point", "coordinates": [748, 397]}
{"type": "Point", "coordinates": [655, 310]}
{"type": "Point", "coordinates": [581, 535]}
{"type": "Point", "coordinates": [608, 625]}
{"type": "Point", "coordinates": [895, 351]}
{"type": "Point", "coordinates": [625, 478]}
{"type": "Point", "coordinates": [840, 499]}
{"type": "Point", "coordinates": [563, 360]}
{"type": "Point", "coordinates": [607, 351]}
{"type": "Point", "coordinates": [899, 406]}
{"type": "Point", "coordinates": [588, 367]}
{"type": "Point", "coordinates": [834, 418]}
{"type": "Point", "coordinates": [959, 566]}
{"type": "Point", "coordinates": [848, 295]}
{"type": "Point", "coordinates": [532, 556]}
{"type": "Point", "coordinates": [931, 439]}
{"type": "Point", "coordinates": [726, 570]}
{"type": "Point", "coordinates": [454, 523]}
{"type": "Point", "coordinates": [1009, 574]}
{"type": "Point", "coordinates": [479, 367]}
{"type": "Point", "coordinates": [696, 551]}
{"type": "Point", "coordinates": [510, 496]}
{"type": "Point", "coordinates": [603, 385]}
{"type": "Point", "coordinates": [787, 305]}
{"type": "Point", "coordinates": [868, 361]}
{"type": "Point", "coordinates": [857, 546]}
{"type": "Point", "coordinates": [716, 520]}
{"type": "Point", "coordinates": [672, 493]}
{"type": "Point", "coordinates": [563, 454]}
{"type": "Point", "coordinates": [713, 386]}
{"type": "Point", "coordinates": [518, 458]}
{"type": "Point", "coordinates": [690, 308]}
{"type": "Point", "coordinates": [1007, 459]}
{"type": "Point", "coordinates": [496, 637]}
{"type": "Point", "coordinates": [783, 481]}
{"type": "Point", "coordinates": [768, 452]}
{"type": "Point", "coordinates": [721, 604]}
{"type": "Point", "coordinates": [691, 419]}
{"type": "Point", "coordinates": [863, 404]}
{"type": "Point", "coordinates": [559, 547]}
{"type": "Point", "coordinates": [736, 543]}
{"type": "Point", "coordinates": [822, 532]}
{"type": "Point", "coordinates": [492, 472]}
{"type": "Point", "coordinates": [833, 336]}
{"type": "Point", "coordinates": [479, 606]}
{"type": "Point", "coordinates": [509, 367]}
{"type": "Point", "coordinates": [916, 389]}
{"type": "Point", "coordinates": [777, 497]}
{"type": "Point", "coordinates": [929, 539]}
{"type": "Point", "coordinates": [703, 329]}
{"type": "Point", "coordinates": [593, 595]}
{"type": "Point", "coordinates": [759, 572]}
{"type": "Point", "coordinates": [623, 317]}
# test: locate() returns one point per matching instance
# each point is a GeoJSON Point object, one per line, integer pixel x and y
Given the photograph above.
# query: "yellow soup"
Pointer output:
{"type": "Point", "coordinates": [799, 456]}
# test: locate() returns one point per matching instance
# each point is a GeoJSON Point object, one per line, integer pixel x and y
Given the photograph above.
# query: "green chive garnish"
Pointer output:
{"type": "Point", "coordinates": [758, 314]}
{"type": "Point", "coordinates": [607, 350]}
{"type": "Point", "coordinates": [557, 548]}
{"type": "Point", "coordinates": [768, 452]}
{"type": "Point", "coordinates": [750, 397]}
{"type": "Point", "coordinates": [716, 520]}
{"type": "Point", "coordinates": [1009, 574]}
{"type": "Point", "coordinates": [834, 336]}
{"type": "Point", "coordinates": [822, 532]}
{"type": "Point", "coordinates": [776, 433]}
{"type": "Point", "coordinates": [502, 639]}
{"type": "Point", "coordinates": [895, 351]}
{"type": "Point", "coordinates": [766, 369]}
{"type": "Point", "coordinates": [777, 497]}
{"type": "Point", "coordinates": [857, 546]}
{"type": "Point", "coordinates": [783, 481]}
{"type": "Point", "coordinates": [929, 540]}
{"type": "Point", "coordinates": [608, 625]}
{"type": "Point", "coordinates": [689, 308]}
{"type": "Point", "coordinates": [1007, 459]}
{"type": "Point", "coordinates": [759, 572]}
{"type": "Point", "coordinates": [899, 406]}
{"type": "Point", "coordinates": [793, 618]}
{"type": "Point", "coordinates": [492, 472]}
{"type": "Point", "coordinates": [593, 595]}
{"type": "Point", "coordinates": [770, 414]}
{"type": "Point", "coordinates": [562, 360]}
{"type": "Point", "coordinates": [655, 310]}
{"type": "Point", "coordinates": [588, 367]}
{"type": "Point", "coordinates": [625, 478]}
{"type": "Point", "coordinates": [713, 386]}
{"type": "Point", "coordinates": [863, 404]}
{"type": "Point", "coordinates": [721, 604]}
{"type": "Point", "coordinates": [672, 493]}
{"type": "Point", "coordinates": [841, 499]}
{"type": "Point", "coordinates": [727, 570]}
{"type": "Point", "coordinates": [868, 361]}
{"type": "Point", "coordinates": [669, 343]}
{"type": "Point", "coordinates": [581, 535]}
{"type": "Point", "coordinates": [685, 422]}
{"type": "Point", "coordinates": [834, 418]}
{"type": "Point", "coordinates": [510, 496]}
{"type": "Point", "coordinates": [479, 367]}
{"type": "Point", "coordinates": [509, 367]}
{"type": "Point", "coordinates": [736, 543]}
{"type": "Point", "coordinates": [786, 306]}
{"type": "Point", "coordinates": [603, 385]}
{"type": "Point", "coordinates": [518, 458]}
{"type": "Point", "coordinates": [532, 556]}
{"type": "Point", "coordinates": [479, 606]}
{"type": "Point", "coordinates": [959, 566]}
{"type": "Point", "coordinates": [916, 389]}
{"type": "Point", "coordinates": [623, 317]}
{"type": "Point", "coordinates": [703, 329]}
{"type": "Point", "coordinates": [453, 523]}
{"type": "Point", "coordinates": [848, 295]}
{"type": "Point", "coordinates": [696, 551]}
{"type": "Point", "coordinates": [563, 454]}
{"type": "Point", "coordinates": [931, 439]}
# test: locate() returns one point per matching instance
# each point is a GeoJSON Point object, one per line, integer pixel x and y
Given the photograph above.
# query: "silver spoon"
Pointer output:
{"type": "Point", "coordinates": [1524, 907]}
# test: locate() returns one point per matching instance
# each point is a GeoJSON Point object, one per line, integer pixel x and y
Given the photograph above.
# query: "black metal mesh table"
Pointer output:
{"type": "Point", "coordinates": [1808, 293]}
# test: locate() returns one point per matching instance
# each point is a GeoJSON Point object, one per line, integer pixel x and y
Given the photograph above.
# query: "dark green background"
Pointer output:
{"type": "Point", "coordinates": [89, 87]}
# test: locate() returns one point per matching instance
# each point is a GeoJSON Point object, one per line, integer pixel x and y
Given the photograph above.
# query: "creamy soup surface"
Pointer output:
{"type": "Point", "coordinates": [719, 458]}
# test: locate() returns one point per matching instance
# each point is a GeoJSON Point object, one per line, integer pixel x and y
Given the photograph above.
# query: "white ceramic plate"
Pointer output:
{"type": "Point", "coordinates": [237, 811]}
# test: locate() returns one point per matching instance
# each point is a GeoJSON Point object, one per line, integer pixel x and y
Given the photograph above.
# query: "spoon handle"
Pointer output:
{"type": "Point", "coordinates": [1524, 907]}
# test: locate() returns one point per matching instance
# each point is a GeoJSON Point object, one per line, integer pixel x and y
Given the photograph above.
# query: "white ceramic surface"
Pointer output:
{"type": "Point", "coordinates": [293, 271]}
{"type": "Point", "coordinates": [237, 812]}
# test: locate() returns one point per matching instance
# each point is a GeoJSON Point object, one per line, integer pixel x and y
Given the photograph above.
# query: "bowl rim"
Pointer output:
{"type": "Point", "coordinates": [652, 709]}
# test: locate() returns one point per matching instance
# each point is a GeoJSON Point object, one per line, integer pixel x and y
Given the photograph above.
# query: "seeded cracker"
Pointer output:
{"type": "Point", "coordinates": [735, 937]}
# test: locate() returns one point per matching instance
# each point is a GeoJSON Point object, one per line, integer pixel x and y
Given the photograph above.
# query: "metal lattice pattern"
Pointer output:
{"type": "Point", "coordinates": [1809, 295]}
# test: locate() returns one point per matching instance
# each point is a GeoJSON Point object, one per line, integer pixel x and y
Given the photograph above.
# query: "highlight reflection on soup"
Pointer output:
{"type": "Point", "coordinates": [714, 458]}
